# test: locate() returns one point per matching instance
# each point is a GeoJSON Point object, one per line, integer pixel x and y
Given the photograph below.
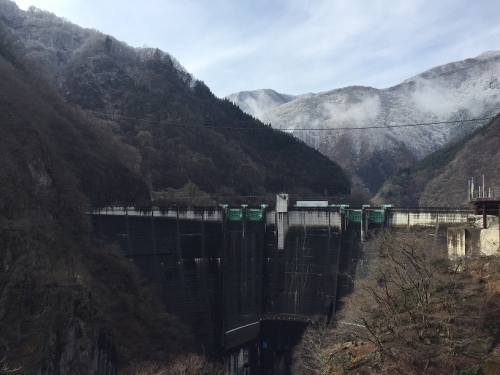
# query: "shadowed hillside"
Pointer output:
{"type": "Point", "coordinates": [175, 131]}
{"type": "Point", "coordinates": [69, 302]}
{"type": "Point", "coordinates": [441, 178]}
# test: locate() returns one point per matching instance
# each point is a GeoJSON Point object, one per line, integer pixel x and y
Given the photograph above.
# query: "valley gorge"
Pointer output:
{"type": "Point", "coordinates": [120, 168]}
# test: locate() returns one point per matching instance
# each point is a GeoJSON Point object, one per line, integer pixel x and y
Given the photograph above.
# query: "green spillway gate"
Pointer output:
{"type": "Point", "coordinates": [255, 214]}
{"type": "Point", "coordinates": [234, 214]}
{"type": "Point", "coordinates": [354, 216]}
{"type": "Point", "coordinates": [373, 215]}
{"type": "Point", "coordinates": [376, 216]}
{"type": "Point", "coordinates": [250, 214]}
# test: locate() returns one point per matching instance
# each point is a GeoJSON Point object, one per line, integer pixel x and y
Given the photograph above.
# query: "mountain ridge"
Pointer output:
{"type": "Point", "coordinates": [456, 91]}
{"type": "Point", "coordinates": [147, 94]}
{"type": "Point", "coordinates": [258, 101]}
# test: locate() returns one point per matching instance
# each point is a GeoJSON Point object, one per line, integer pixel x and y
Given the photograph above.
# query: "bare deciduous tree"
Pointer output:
{"type": "Point", "coordinates": [312, 355]}
{"type": "Point", "coordinates": [4, 367]}
{"type": "Point", "coordinates": [415, 312]}
{"type": "Point", "coordinates": [186, 365]}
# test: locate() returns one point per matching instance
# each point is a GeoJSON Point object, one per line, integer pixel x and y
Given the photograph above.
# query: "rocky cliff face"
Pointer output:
{"type": "Point", "coordinates": [457, 91]}
{"type": "Point", "coordinates": [47, 327]}
{"type": "Point", "coordinates": [79, 346]}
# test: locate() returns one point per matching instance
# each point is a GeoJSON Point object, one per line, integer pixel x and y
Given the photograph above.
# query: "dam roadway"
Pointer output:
{"type": "Point", "coordinates": [253, 277]}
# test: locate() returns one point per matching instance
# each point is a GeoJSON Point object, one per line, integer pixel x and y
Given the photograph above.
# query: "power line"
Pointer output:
{"type": "Point", "coordinates": [292, 129]}
{"type": "Point", "coordinates": [403, 125]}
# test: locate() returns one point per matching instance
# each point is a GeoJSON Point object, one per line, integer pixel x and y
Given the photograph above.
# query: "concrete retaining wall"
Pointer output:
{"type": "Point", "coordinates": [425, 217]}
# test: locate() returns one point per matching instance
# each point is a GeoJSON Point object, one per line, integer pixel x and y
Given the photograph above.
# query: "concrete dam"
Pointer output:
{"type": "Point", "coordinates": [252, 278]}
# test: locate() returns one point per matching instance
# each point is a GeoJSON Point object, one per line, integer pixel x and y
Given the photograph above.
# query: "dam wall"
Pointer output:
{"type": "Point", "coordinates": [224, 274]}
{"type": "Point", "coordinates": [243, 275]}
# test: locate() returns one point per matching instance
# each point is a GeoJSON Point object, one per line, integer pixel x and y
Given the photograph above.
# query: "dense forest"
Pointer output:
{"type": "Point", "coordinates": [69, 302]}
{"type": "Point", "coordinates": [161, 124]}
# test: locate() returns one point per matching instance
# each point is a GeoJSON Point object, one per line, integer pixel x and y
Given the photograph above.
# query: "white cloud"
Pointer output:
{"type": "Point", "coordinates": [434, 99]}
{"type": "Point", "coordinates": [353, 114]}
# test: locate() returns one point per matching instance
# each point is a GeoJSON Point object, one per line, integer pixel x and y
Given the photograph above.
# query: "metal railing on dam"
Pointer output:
{"type": "Point", "coordinates": [225, 271]}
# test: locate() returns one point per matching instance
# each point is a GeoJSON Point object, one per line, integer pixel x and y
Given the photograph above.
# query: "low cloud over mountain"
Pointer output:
{"type": "Point", "coordinates": [457, 91]}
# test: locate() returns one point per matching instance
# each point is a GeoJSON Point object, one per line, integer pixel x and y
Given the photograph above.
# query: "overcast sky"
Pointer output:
{"type": "Point", "coordinates": [295, 46]}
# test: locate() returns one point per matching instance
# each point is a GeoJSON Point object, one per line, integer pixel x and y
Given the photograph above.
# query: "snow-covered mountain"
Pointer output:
{"type": "Point", "coordinates": [461, 90]}
{"type": "Point", "coordinates": [257, 102]}
{"type": "Point", "coordinates": [55, 42]}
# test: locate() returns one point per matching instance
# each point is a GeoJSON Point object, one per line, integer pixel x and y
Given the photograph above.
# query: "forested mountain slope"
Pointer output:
{"type": "Point", "coordinates": [69, 303]}
{"type": "Point", "coordinates": [70, 100]}
{"type": "Point", "coordinates": [441, 178]}
{"type": "Point", "coordinates": [175, 130]}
